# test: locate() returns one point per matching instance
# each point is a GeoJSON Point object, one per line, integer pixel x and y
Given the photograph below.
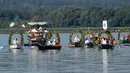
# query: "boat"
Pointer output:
{"type": "Point", "coordinates": [89, 45]}
{"type": "Point", "coordinates": [124, 41]}
{"type": "Point", "coordinates": [105, 46]}
{"type": "Point", "coordinates": [42, 46]}
{"type": "Point", "coordinates": [16, 46]}
{"type": "Point", "coordinates": [51, 47]}
{"type": "Point", "coordinates": [73, 45]}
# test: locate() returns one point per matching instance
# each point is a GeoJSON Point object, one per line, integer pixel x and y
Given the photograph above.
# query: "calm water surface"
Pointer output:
{"type": "Point", "coordinates": [67, 60]}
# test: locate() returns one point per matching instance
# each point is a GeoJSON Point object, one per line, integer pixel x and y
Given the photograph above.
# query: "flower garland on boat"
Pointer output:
{"type": "Point", "coordinates": [92, 34]}
{"type": "Point", "coordinates": [121, 29]}
{"type": "Point", "coordinates": [110, 37]}
{"type": "Point", "coordinates": [10, 38]}
{"type": "Point", "coordinates": [82, 36]}
{"type": "Point", "coordinates": [21, 38]}
{"type": "Point", "coordinates": [49, 35]}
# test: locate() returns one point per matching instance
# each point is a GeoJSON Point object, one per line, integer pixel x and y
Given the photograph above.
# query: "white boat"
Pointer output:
{"type": "Point", "coordinates": [16, 46]}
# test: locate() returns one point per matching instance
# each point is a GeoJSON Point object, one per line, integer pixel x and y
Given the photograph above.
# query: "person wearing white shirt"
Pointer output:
{"type": "Point", "coordinates": [87, 41]}
{"type": "Point", "coordinates": [15, 41]}
{"type": "Point", "coordinates": [104, 41]}
{"type": "Point", "coordinates": [40, 29]}
{"type": "Point", "coordinates": [76, 39]}
{"type": "Point", "coordinates": [49, 43]}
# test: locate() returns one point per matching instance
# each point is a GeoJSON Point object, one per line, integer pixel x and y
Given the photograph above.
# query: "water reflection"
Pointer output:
{"type": "Point", "coordinates": [51, 54]}
{"type": "Point", "coordinates": [76, 52]}
{"type": "Point", "coordinates": [39, 59]}
{"type": "Point", "coordinates": [105, 61]}
{"type": "Point", "coordinates": [15, 51]}
{"type": "Point", "coordinates": [33, 58]}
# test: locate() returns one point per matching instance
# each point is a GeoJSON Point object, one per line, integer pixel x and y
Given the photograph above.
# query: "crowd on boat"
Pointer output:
{"type": "Point", "coordinates": [34, 34]}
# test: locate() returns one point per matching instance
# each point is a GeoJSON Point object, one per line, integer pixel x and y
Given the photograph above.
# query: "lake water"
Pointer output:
{"type": "Point", "coordinates": [67, 60]}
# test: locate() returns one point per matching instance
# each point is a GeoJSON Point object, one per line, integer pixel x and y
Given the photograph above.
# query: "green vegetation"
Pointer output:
{"type": "Point", "coordinates": [69, 16]}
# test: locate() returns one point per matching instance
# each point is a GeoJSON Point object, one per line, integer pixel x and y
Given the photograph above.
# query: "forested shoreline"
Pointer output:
{"type": "Point", "coordinates": [68, 16]}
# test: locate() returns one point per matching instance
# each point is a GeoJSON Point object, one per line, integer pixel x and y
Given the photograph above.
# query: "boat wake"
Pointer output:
{"type": "Point", "coordinates": [2, 47]}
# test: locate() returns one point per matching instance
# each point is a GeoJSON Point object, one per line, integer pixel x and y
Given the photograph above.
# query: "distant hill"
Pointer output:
{"type": "Point", "coordinates": [37, 4]}
{"type": "Point", "coordinates": [68, 16]}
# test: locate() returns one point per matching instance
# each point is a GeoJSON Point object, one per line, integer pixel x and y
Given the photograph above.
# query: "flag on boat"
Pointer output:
{"type": "Point", "coordinates": [104, 23]}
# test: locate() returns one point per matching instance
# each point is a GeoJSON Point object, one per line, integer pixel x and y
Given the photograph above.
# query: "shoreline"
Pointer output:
{"type": "Point", "coordinates": [67, 30]}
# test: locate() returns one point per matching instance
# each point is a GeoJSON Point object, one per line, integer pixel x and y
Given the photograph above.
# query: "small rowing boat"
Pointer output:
{"type": "Point", "coordinates": [56, 47]}
{"type": "Point", "coordinates": [73, 45]}
{"type": "Point", "coordinates": [16, 46]}
{"type": "Point", "coordinates": [105, 46]}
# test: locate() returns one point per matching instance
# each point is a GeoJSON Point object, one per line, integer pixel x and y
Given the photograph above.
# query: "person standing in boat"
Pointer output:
{"type": "Point", "coordinates": [76, 39]}
{"type": "Point", "coordinates": [15, 41]}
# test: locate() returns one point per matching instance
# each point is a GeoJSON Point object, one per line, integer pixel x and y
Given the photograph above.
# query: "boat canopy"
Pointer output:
{"type": "Point", "coordinates": [37, 23]}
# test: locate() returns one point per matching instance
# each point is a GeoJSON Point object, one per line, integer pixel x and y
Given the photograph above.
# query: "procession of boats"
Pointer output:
{"type": "Point", "coordinates": [43, 44]}
{"type": "Point", "coordinates": [40, 38]}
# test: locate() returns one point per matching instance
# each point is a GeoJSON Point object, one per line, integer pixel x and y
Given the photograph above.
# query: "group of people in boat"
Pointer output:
{"type": "Point", "coordinates": [15, 41]}
{"type": "Point", "coordinates": [34, 32]}
{"type": "Point", "coordinates": [77, 40]}
{"type": "Point", "coordinates": [52, 43]}
{"type": "Point", "coordinates": [104, 41]}
{"type": "Point", "coordinates": [127, 38]}
{"type": "Point", "coordinates": [42, 36]}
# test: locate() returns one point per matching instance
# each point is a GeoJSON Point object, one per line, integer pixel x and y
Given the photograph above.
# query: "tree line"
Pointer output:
{"type": "Point", "coordinates": [69, 16]}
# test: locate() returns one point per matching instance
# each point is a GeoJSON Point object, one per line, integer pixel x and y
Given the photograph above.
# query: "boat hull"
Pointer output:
{"type": "Point", "coordinates": [124, 42]}
{"type": "Point", "coordinates": [49, 47]}
{"type": "Point", "coordinates": [106, 46]}
{"type": "Point", "coordinates": [17, 46]}
{"type": "Point", "coordinates": [89, 45]}
{"type": "Point", "coordinates": [73, 45]}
